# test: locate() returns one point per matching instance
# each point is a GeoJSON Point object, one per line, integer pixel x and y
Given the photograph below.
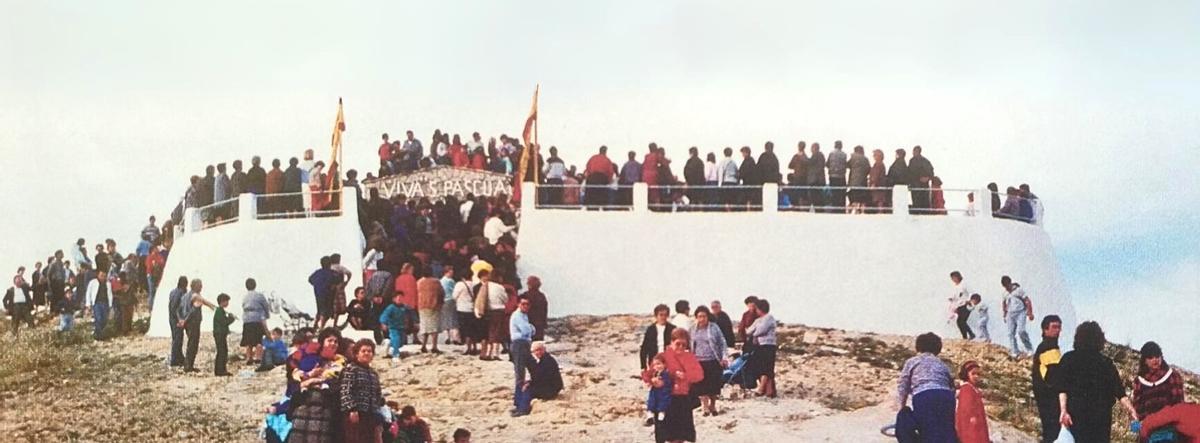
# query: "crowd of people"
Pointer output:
{"type": "Point", "coordinates": [839, 182]}
{"type": "Point", "coordinates": [1074, 391]}
{"type": "Point", "coordinates": [103, 285]}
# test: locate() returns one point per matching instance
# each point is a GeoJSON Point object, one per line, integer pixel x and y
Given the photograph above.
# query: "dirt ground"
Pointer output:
{"type": "Point", "coordinates": [833, 385]}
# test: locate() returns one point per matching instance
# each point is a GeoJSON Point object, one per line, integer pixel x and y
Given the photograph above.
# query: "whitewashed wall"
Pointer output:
{"type": "Point", "coordinates": [880, 273]}
{"type": "Point", "coordinates": [278, 254]}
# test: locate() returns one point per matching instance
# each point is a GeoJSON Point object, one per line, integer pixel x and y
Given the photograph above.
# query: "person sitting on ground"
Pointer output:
{"type": "Point", "coordinates": [657, 336]}
{"type": "Point", "coordinates": [682, 318]}
{"type": "Point", "coordinates": [462, 436]}
{"type": "Point", "coordinates": [412, 427]}
{"type": "Point", "coordinates": [274, 351]}
{"type": "Point", "coordinates": [360, 395]}
{"type": "Point", "coordinates": [1156, 384]}
{"type": "Point", "coordinates": [314, 409]}
{"type": "Point", "coordinates": [928, 381]}
{"type": "Point", "coordinates": [970, 419]}
{"type": "Point", "coordinates": [358, 311]}
{"type": "Point", "coordinates": [660, 385]}
{"type": "Point", "coordinates": [545, 378]}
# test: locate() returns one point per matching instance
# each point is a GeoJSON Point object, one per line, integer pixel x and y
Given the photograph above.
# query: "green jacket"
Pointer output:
{"type": "Point", "coordinates": [221, 321]}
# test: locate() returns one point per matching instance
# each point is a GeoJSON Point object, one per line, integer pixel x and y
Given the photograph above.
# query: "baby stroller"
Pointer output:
{"type": "Point", "coordinates": [296, 318]}
{"type": "Point", "coordinates": [739, 374]}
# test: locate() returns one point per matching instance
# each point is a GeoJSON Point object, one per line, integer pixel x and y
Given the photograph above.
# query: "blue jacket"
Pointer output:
{"type": "Point", "coordinates": [393, 317]}
{"type": "Point", "coordinates": [275, 348]}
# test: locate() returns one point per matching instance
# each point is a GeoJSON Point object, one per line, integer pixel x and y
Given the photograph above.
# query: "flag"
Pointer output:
{"type": "Point", "coordinates": [333, 180]}
{"type": "Point", "coordinates": [529, 135]}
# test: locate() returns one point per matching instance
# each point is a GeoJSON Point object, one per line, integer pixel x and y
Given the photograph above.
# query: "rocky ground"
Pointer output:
{"type": "Point", "coordinates": [834, 386]}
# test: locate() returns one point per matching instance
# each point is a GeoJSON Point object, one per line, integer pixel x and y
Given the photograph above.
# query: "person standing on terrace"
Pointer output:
{"type": "Point", "coordinates": [385, 157]}
{"type": "Point", "coordinates": [292, 185]}
{"type": "Point", "coordinates": [816, 177]}
{"type": "Point", "coordinates": [897, 174]}
{"type": "Point", "coordinates": [650, 168]}
{"type": "Point", "coordinates": [837, 177]}
{"type": "Point", "coordinates": [859, 168]}
{"type": "Point", "coordinates": [598, 174]}
{"type": "Point", "coordinates": [920, 178]}
{"type": "Point", "coordinates": [799, 177]}
{"type": "Point", "coordinates": [751, 176]}
{"type": "Point", "coordinates": [631, 172]}
{"type": "Point", "coordinates": [693, 176]}
{"type": "Point", "coordinates": [554, 170]}
{"type": "Point", "coordinates": [237, 181]}
{"type": "Point", "coordinates": [768, 164]}
{"type": "Point", "coordinates": [256, 177]}
{"type": "Point", "coordinates": [410, 153]}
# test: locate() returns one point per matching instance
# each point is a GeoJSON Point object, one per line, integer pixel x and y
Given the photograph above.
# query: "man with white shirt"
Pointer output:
{"type": "Point", "coordinates": [727, 175]}
{"type": "Point", "coordinates": [99, 298]}
{"type": "Point", "coordinates": [475, 142]}
{"type": "Point", "coordinates": [554, 171]}
{"type": "Point", "coordinates": [20, 301]}
{"type": "Point", "coordinates": [958, 299]}
{"type": "Point", "coordinates": [682, 318]}
{"type": "Point", "coordinates": [495, 228]}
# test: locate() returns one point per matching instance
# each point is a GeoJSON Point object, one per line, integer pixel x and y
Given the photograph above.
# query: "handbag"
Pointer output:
{"type": "Point", "coordinates": [1064, 436]}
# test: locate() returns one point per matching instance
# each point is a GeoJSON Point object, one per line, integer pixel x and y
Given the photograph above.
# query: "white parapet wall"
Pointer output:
{"type": "Point", "coordinates": [278, 253]}
{"type": "Point", "coordinates": [880, 273]}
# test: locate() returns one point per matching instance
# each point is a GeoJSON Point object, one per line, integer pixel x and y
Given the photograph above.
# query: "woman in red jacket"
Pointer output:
{"type": "Point", "coordinates": [970, 420]}
{"type": "Point", "coordinates": [678, 424]}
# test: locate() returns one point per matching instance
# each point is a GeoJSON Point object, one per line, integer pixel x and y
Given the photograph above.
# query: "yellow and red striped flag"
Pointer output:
{"type": "Point", "coordinates": [333, 179]}
{"type": "Point", "coordinates": [530, 137]}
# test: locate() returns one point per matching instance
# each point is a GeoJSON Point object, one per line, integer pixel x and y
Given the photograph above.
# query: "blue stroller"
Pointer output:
{"type": "Point", "coordinates": [739, 374]}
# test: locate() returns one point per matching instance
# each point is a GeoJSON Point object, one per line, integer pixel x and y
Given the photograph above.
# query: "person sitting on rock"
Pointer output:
{"type": "Point", "coordinates": [545, 379]}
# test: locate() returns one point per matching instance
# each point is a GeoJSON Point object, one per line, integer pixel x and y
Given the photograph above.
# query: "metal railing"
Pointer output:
{"type": "Point", "coordinates": [584, 196]}
{"type": "Point", "coordinates": [709, 198]}
{"type": "Point", "coordinates": [836, 199]}
{"type": "Point", "coordinates": [220, 213]}
{"type": "Point", "coordinates": [772, 197]}
{"type": "Point", "coordinates": [298, 205]}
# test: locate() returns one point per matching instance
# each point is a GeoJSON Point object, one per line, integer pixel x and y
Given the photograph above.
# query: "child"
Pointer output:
{"type": "Point", "coordinates": [462, 436]}
{"type": "Point", "coordinates": [979, 312]}
{"type": "Point", "coordinates": [392, 321]}
{"type": "Point", "coordinates": [970, 420]}
{"type": "Point", "coordinates": [221, 322]}
{"type": "Point", "coordinates": [660, 384]}
{"type": "Point", "coordinates": [274, 351]}
{"type": "Point", "coordinates": [413, 427]}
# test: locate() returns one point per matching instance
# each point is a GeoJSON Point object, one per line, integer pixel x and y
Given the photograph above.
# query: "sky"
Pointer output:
{"type": "Point", "coordinates": [108, 107]}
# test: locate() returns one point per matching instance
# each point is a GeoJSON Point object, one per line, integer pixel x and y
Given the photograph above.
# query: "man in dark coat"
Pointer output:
{"type": "Point", "coordinates": [237, 182]}
{"type": "Point", "coordinates": [920, 172]}
{"type": "Point", "coordinates": [751, 176]}
{"type": "Point", "coordinates": [768, 164]}
{"type": "Point", "coordinates": [256, 177]}
{"type": "Point", "coordinates": [291, 184]}
{"type": "Point", "coordinates": [897, 174]}
{"type": "Point", "coordinates": [816, 176]}
{"type": "Point", "coordinates": [205, 197]}
{"type": "Point", "coordinates": [693, 175]}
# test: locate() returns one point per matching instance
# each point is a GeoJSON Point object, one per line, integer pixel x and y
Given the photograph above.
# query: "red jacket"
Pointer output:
{"type": "Point", "coordinates": [385, 151]}
{"type": "Point", "coordinates": [478, 161]}
{"type": "Point", "coordinates": [407, 284]}
{"type": "Point", "coordinates": [1184, 416]}
{"type": "Point", "coordinates": [650, 169]}
{"type": "Point", "coordinates": [680, 361]}
{"type": "Point", "coordinates": [970, 420]}
{"type": "Point", "coordinates": [599, 164]}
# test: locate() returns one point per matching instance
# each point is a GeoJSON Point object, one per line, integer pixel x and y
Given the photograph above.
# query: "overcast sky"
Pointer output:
{"type": "Point", "coordinates": [108, 107]}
